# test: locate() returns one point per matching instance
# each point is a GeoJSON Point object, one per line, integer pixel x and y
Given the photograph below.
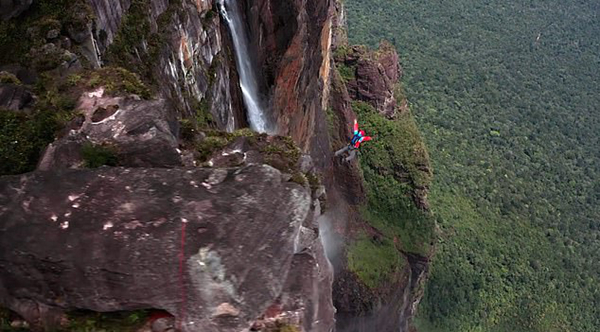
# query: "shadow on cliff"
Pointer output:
{"type": "Point", "coordinates": [384, 318]}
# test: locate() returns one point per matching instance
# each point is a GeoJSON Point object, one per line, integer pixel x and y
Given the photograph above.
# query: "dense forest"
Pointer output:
{"type": "Point", "coordinates": [507, 96]}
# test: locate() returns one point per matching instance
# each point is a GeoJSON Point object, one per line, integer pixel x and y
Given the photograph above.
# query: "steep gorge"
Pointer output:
{"type": "Point", "coordinates": [178, 117]}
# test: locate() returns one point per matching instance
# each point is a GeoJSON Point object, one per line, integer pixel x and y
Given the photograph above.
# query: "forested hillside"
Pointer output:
{"type": "Point", "coordinates": [507, 96]}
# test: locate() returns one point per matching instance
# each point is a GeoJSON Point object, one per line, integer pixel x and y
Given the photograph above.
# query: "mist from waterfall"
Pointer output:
{"type": "Point", "coordinates": [246, 69]}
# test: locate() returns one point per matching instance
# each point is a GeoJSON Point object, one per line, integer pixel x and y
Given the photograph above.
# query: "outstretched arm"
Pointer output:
{"type": "Point", "coordinates": [355, 127]}
{"type": "Point", "coordinates": [366, 138]}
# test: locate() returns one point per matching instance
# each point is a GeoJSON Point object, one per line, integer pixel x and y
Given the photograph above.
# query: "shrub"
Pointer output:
{"type": "Point", "coordinates": [95, 156]}
{"type": "Point", "coordinates": [22, 139]}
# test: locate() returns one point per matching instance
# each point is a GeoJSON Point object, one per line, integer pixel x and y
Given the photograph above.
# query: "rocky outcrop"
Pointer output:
{"type": "Point", "coordinates": [252, 254]}
{"type": "Point", "coordinates": [14, 97]}
{"type": "Point", "coordinates": [214, 247]}
{"type": "Point", "coordinates": [372, 76]}
{"type": "Point", "coordinates": [13, 8]}
{"type": "Point", "coordinates": [339, 25]}
{"type": "Point", "coordinates": [143, 133]}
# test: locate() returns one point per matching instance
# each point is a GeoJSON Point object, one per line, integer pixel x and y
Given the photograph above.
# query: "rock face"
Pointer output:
{"type": "Point", "coordinates": [294, 38]}
{"type": "Point", "coordinates": [14, 97]}
{"type": "Point", "coordinates": [372, 77]}
{"type": "Point", "coordinates": [214, 247]}
{"type": "Point", "coordinates": [375, 75]}
{"type": "Point", "coordinates": [339, 25]}
{"type": "Point", "coordinates": [13, 8]}
{"type": "Point", "coordinates": [191, 61]}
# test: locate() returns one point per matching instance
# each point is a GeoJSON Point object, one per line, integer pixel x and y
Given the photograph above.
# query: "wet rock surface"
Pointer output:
{"type": "Point", "coordinates": [294, 39]}
{"type": "Point", "coordinates": [125, 231]}
{"type": "Point", "coordinates": [191, 62]}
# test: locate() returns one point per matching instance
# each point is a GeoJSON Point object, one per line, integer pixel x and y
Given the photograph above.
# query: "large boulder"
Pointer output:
{"type": "Point", "coordinates": [142, 132]}
{"type": "Point", "coordinates": [13, 8]}
{"type": "Point", "coordinates": [15, 97]}
{"type": "Point", "coordinates": [213, 247]}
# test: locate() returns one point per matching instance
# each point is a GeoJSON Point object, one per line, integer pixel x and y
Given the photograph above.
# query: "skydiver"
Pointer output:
{"type": "Point", "coordinates": [352, 147]}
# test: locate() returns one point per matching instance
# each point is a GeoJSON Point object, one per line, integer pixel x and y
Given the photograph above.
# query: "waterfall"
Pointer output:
{"type": "Point", "coordinates": [246, 70]}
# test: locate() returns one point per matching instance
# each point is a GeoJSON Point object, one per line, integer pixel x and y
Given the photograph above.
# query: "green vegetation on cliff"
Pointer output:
{"type": "Point", "coordinates": [505, 93]}
{"type": "Point", "coordinates": [22, 139]}
{"type": "Point", "coordinates": [19, 35]}
{"type": "Point", "coordinates": [390, 165]}
{"type": "Point", "coordinates": [88, 321]}
{"type": "Point", "coordinates": [394, 165]}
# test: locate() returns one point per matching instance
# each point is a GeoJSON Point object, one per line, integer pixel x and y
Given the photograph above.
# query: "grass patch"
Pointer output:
{"type": "Point", "coordinates": [375, 262]}
{"type": "Point", "coordinates": [299, 178]}
{"type": "Point", "coordinates": [5, 320]}
{"type": "Point", "coordinates": [95, 156]}
{"type": "Point", "coordinates": [115, 80]}
{"type": "Point", "coordinates": [287, 328]}
{"type": "Point", "coordinates": [89, 321]}
{"type": "Point", "coordinates": [279, 152]}
{"type": "Point", "coordinates": [341, 52]}
{"type": "Point", "coordinates": [282, 154]}
{"type": "Point", "coordinates": [210, 145]}
{"type": "Point", "coordinates": [217, 140]}
{"type": "Point", "coordinates": [85, 321]}
{"type": "Point", "coordinates": [24, 136]}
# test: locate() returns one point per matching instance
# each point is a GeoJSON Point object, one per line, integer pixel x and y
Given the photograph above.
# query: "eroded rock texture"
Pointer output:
{"type": "Point", "coordinates": [184, 49]}
{"type": "Point", "coordinates": [375, 76]}
{"type": "Point", "coordinates": [142, 132]}
{"type": "Point", "coordinates": [294, 39]}
{"type": "Point", "coordinates": [15, 97]}
{"type": "Point", "coordinates": [214, 247]}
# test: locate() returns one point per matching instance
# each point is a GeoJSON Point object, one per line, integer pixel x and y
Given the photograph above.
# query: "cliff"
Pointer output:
{"type": "Point", "coordinates": [216, 227]}
{"type": "Point", "coordinates": [221, 228]}
{"type": "Point", "coordinates": [387, 229]}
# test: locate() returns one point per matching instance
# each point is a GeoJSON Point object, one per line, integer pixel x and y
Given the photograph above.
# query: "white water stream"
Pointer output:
{"type": "Point", "coordinates": [246, 69]}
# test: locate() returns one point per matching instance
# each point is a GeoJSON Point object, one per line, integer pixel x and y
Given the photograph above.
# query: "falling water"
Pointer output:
{"type": "Point", "coordinates": [248, 79]}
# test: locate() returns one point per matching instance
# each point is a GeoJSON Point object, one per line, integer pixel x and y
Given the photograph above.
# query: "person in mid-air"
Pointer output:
{"type": "Point", "coordinates": [352, 147]}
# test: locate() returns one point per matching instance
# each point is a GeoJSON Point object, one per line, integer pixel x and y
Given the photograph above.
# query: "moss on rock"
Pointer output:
{"type": "Point", "coordinates": [18, 36]}
{"type": "Point", "coordinates": [22, 139]}
{"type": "Point", "coordinates": [375, 262]}
{"type": "Point", "coordinates": [95, 155]}
{"type": "Point", "coordinates": [9, 78]}
{"type": "Point", "coordinates": [395, 164]}
{"type": "Point", "coordinates": [116, 81]}
{"type": "Point", "coordinates": [123, 321]}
